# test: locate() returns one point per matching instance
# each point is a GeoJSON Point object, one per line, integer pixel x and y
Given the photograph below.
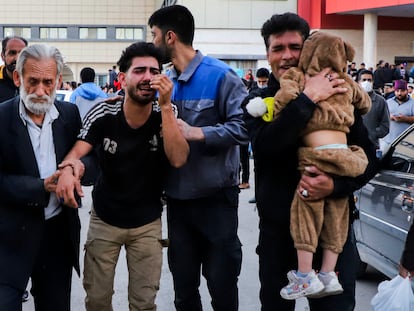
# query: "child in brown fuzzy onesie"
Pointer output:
{"type": "Point", "coordinates": [325, 146]}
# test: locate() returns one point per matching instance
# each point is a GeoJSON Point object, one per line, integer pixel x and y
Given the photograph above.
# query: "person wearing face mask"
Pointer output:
{"type": "Point", "coordinates": [377, 120]}
{"type": "Point", "coordinates": [262, 77]}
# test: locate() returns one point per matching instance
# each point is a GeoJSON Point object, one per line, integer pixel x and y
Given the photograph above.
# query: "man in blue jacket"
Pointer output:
{"type": "Point", "coordinates": [88, 94]}
{"type": "Point", "coordinates": [202, 194]}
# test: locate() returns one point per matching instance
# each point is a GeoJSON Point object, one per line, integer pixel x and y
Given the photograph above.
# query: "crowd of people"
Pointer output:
{"type": "Point", "coordinates": [111, 87]}
{"type": "Point", "coordinates": [180, 136]}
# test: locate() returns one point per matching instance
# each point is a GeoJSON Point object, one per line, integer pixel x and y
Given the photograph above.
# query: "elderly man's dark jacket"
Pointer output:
{"type": "Point", "coordinates": [22, 194]}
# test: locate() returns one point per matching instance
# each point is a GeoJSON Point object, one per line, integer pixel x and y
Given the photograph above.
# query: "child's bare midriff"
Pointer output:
{"type": "Point", "coordinates": [324, 137]}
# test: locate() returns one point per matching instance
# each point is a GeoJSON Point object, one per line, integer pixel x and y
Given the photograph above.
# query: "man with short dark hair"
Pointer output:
{"type": "Point", "coordinates": [401, 108]}
{"type": "Point", "coordinates": [389, 91]}
{"type": "Point", "coordinates": [203, 195]}
{"type": "Point", "coordinates": [88, 94]}
{"type": "Point", "coordinates": [11, 47]}
{"type": "Point", "coordinates": [275, 147]}
{"type": "Point", "coordinates": [137, 139]}
{"type": "Point", "coordinates": [262, 77]}
{"type": "Point", "coordinates": [377, 120]}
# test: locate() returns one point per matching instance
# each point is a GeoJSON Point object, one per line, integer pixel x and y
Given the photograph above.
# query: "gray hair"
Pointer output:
{"type": "Point", "coordinates": [38, 52]}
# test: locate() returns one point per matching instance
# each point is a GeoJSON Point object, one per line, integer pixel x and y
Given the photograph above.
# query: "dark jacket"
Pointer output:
{"type": "Point", "coordinates": [275, 145]}
{"type": "Point", "coordinates": [377, 120]}
{"type": "Point", "coordinates": [7, 88]}
{"type": "Point", "coordinates": [22, 194]}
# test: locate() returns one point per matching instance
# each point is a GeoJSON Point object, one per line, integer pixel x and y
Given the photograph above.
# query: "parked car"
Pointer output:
{"type": "Point", "coordinates": [385, 208]}
{"type": "Point", "coordinates": [63, 95]}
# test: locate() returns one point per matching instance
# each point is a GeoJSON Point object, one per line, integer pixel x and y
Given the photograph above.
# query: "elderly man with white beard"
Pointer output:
{"type": "Point", "coordinates": [39, 235]}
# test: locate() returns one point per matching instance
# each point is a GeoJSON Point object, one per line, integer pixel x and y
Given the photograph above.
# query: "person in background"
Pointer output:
{"type": "Point", "coordinates": [361, 68]}
{"type": "Point", "coordinates": [88, 94]}
{"type": "Point", "coordinates": [73, 85]}
{"type": "Point", "coordinates": [112, 77]}
{"type": "Point", "coordinates": [389, 91]}
{"type": "Point", "coordinates": [410, 88]}
{"type": "Point", "coordinates": [202, 195]}
{"type": "Point", "coordinates": [401, 108]}
{"type": "Point", "coordinates": [137, 139]}
{"type": "Point", "coordinates": [66, 86]}
{"type": "Point", "coordinates": [377, 120]}
{"type": "Point", "coordinates": [249, 78]}
{"type": "Point", "coordinates": [10, 50]}
{"type": "Point", "coordinates": [277, 177]}
{"type": "Point", "coordinates": [42, 234]}
{"type": "Point", "coordinates": [262, 78]}
{"type": "Point", "coordinates": [352, 71]}
{"type": "Point", "coordinates": [384, 74]}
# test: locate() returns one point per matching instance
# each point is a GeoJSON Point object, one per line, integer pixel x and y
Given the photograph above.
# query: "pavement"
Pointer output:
{"type": "Point", "coordinates": [248, 281]}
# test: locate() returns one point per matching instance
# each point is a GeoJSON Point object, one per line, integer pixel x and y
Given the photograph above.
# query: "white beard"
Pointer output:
{"type": "Point", "coordinates": [37, 108]}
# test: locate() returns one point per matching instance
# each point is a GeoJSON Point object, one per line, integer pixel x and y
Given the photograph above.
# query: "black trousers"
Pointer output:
{"type": "Point", "coordinates": [277, 256]}
{"type": "Point", "coordinates": [203, 238]}
{"type": "Point", "coordinates": [51, 275]}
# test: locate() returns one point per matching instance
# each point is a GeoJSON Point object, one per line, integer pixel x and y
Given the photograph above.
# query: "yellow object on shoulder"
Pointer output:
{"type": "Point", "coordinates": [270, 104]}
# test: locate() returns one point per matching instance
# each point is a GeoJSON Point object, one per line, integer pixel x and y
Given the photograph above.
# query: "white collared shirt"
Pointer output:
{"type": "Point", "coordinates": [44, 150]}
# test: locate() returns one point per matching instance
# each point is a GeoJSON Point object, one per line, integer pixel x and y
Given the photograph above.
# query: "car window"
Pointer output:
{"type": "Point", "coordinates": [60, 96]}
{"type": "Point", "coordinates": [402, 158]}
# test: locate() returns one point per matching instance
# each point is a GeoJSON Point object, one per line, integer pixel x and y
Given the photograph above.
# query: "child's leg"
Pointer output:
{"type": "Point", "coordinates": [328, 276]}
{"type": "Point", "coordinates": [305, 259]}
{"type": "Point", "coordinates": [329, 260]}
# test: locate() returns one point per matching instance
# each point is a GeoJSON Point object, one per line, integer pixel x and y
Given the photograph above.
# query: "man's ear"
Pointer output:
{"type": "Point", "coordinates": [121, 78]}
{"type": "Point", "coordinates": [170, 37]}
{"type": "Point", "coordinates": [16, 78]}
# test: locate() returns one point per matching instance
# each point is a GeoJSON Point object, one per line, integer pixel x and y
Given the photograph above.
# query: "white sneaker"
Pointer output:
{"type": "Point", "coordinates": [331, 283]}
{"type": "Point", "coordinates": [301, 287]}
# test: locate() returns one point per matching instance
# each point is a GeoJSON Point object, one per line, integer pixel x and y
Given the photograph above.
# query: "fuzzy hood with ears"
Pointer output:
{"type": "Point", "coordinates": [322, 50]}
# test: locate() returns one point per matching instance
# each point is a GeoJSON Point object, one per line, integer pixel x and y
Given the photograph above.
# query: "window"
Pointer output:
{"type": "Point", "coordinates": [92, 33]}
{"type": "Point", "coordinates": [24, 32]}
{"type": "Point", "coordinates": [129, 34]}
{"type": "Point", "coordinates": [53, 33]}
{"type": "Point", "coordinates": [101, 79]}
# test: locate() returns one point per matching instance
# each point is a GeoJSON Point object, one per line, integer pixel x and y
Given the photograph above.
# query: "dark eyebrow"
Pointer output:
{"type": "Point", "coordinates": [145, 67]}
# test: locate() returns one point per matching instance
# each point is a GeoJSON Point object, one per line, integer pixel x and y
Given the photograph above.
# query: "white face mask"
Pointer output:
{"type": "Point", "coordinates": [367, 86]}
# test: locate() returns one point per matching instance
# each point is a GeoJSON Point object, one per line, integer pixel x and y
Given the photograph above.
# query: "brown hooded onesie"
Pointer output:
{"type": "Point", "coordinates": [325, 219]}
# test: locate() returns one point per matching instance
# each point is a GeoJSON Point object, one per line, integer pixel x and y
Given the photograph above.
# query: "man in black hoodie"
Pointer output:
{"type": "Point", "coordinates": [10, 50]}
{"type": "Point", "coordinates": [275, 145]}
